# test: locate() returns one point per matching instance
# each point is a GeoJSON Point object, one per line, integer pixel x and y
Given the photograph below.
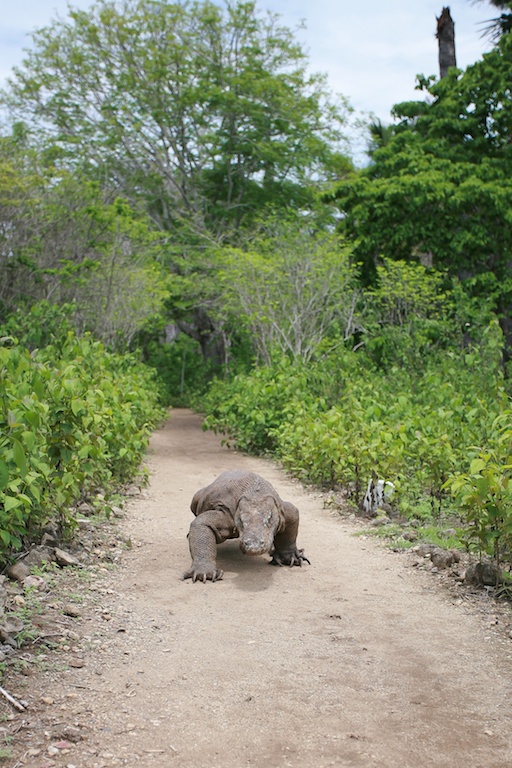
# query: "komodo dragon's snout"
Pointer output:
{"type": "Point", "coordinates": [257, 524]}
{"type": "Point", "coordinates": [241, 504]}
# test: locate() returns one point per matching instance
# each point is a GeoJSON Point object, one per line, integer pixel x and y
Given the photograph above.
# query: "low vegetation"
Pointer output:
{"type": "Point", "coordinates": [74, 418]}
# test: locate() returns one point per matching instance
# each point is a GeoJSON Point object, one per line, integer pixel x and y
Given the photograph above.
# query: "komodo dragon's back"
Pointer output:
{"type": "Point", "coordinates": [228, 488]}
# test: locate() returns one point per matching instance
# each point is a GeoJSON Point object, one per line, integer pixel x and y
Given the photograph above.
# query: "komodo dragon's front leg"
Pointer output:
{"type": "Point", "coordinates": [206, 531]}
{"type": "Point", "coordinates": [285, 542]}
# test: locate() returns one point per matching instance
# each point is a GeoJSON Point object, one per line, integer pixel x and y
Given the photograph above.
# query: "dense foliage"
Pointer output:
{"type": "Point", "coordinates": [433, 427]}
{"type": "Point", "coordinates": [66, 240]}
{"type": "Point", "coordinates": [202, 114]}
{"type": "Point", "coordinates": [74, 419]}
{"type": "Point", "coordinates": [439, 191]}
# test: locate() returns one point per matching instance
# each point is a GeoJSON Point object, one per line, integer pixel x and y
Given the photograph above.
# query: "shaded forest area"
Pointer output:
{"type": "Point", "coordinates": [181, 222]}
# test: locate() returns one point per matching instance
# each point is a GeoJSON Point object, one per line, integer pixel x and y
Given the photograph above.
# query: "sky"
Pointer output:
{"type": "Point", "coordinates": [371, 52]}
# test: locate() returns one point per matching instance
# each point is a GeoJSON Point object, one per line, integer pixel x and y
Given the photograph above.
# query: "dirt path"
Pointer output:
{"type": "Point", "coordinates": [352, 661]}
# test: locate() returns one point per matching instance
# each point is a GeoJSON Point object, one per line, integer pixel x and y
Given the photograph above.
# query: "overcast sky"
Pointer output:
{"type": "Point", "coordinates": [371, 50]}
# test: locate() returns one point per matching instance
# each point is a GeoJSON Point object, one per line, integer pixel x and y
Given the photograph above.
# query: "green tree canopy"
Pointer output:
{"type": "Point", "coordinates": [440, 191]}
{"type": "Point", "coordinates": [290, 287]}
{"type": "Point", "coordinates": [200, 113]}
{"type": "Point", "coordinates": [205, 111]}
{"type": "Point", "coordinates": [62, 240]}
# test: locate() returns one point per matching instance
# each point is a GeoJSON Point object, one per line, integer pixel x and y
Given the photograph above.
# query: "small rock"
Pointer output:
{"type": "Point", "coordinates": [425, 550]}
{"type": "Point", "coordinates": [64, 558]}
{"type": "Point", "coordinates": [49, 540]}
{"type": "Point", "coordinates": [47, 700]}
{"type": "Point", "coordinates": [37, 556]}
{"type": "Point", "coordinates": [71, 610]}
{"type": "Point", "coordinates": [71, 733]}
{"type": "Point", "coordinates": [63, 745]}
{"type": "Point", "coordinates": [86, 509]}
{"type": "Point", "coordinates": [35, 582]}
{"type": "Point", "coordinates": [483, 574]}
{"type": "Point", "coordinates": [18, 571]}
{"type": "Point", "coordinates": [19, 601]}
{"type": "Point", "coordinates": [9, 628]}
{"type": "Point", "coordinates": [76, 663]}
{"type": "Point", "coordinates": [442, 558]}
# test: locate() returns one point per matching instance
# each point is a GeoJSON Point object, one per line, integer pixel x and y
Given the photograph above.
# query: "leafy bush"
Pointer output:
{"type": "Point", "coordinates": [73, 418]}
{"type": "Point", "coordinates": [340, 421]}
{"type": "Point", "coordinates": [250, 407]}
{"type": "Point", "coordinates": [484, 492]}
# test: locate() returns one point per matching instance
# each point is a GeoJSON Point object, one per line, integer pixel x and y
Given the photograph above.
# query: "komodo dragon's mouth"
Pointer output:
{"type": "Point", "coordinates": [255, 545]}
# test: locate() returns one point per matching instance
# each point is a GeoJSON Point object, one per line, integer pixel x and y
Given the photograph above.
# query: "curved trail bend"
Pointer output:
{"type": "Point", "coordinates": [352, 661]}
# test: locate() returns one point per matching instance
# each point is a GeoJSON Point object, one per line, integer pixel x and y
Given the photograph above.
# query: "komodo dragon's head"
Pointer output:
{"type": "Point", "coordinates": [257, 522]}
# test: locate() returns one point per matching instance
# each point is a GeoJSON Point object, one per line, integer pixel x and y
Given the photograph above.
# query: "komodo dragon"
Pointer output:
{"type": "Point", "coordinates": [241, 504]}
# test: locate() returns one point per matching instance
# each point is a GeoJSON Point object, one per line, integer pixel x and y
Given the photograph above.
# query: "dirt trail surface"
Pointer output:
{"type": "Point", "coordinates": [352, 661]}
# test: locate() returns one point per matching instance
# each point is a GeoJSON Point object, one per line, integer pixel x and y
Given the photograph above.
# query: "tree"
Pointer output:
{"type": "Point", "coordinates": [502, 24]}
{"type": "Point", "coordinates": [290, 288]}
{"type": "Point", "coordinates": [440, 191]}
{"type": "Point", "coordinates": [380, 134]}
{"type": "Point", "coordinates": [205, 114]}
{"type": "Point", "coordinates": [63, 242]}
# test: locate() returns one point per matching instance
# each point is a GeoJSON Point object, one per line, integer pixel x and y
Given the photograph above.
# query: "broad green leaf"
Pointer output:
{"type": "Point", "coordinates": [12, 502]}
{"type": "Point", "coordinates": [19, 457]}
{"type": "Point", "coordinates": [476, 466]}
{"type": "Point", "coordinates": [4, 474]}
{"type": "Point", "coordinates": [76, 406]}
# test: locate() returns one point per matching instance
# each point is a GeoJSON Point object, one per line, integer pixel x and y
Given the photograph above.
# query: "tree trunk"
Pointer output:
{"type": "Point", "coordinates": [446, 37]}
{"type": "Point", "coordinates": [211, 339]}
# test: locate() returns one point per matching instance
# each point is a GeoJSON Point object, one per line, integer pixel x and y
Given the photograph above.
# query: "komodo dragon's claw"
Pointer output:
{"type": "Point", "coordinates": [213, 574]}
{"type": "Point", "coordinates": [297, 557]}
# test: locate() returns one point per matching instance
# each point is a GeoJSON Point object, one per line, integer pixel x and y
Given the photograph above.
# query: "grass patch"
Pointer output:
{"type": "Point", "coordinates": [401, 537]}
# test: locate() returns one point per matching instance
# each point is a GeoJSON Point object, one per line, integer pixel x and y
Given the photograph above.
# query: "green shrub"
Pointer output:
{"type": "Point", "coordinates": [484, 492]}
{"type": "Point", "coordinates": [73, 418]}
{"type": "Point", "coordinates": [249, 408]}
{"type": "Point", "coordinates": [342, 421]}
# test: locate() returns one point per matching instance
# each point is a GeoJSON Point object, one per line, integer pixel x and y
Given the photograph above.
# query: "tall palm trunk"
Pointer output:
{"type": "Point", "coordinates": [446, 37]}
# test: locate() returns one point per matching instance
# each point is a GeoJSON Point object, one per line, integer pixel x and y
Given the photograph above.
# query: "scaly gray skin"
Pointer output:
{"type": "Point", "coordinates": [241, 504]}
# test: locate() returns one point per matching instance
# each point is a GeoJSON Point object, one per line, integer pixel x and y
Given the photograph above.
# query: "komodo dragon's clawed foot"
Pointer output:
{"type": "Point", "coordinates": [203, 574]}
{"type": "Point", "coordinates": [293, 557]}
